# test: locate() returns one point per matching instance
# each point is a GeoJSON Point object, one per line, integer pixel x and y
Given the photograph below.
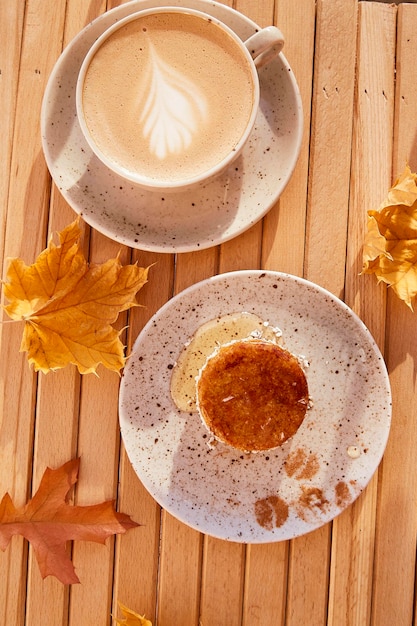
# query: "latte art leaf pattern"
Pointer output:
{"type": "Point", "coordinates": [166, 98]}
{"type": "Point", "coordinates": [173, 110]}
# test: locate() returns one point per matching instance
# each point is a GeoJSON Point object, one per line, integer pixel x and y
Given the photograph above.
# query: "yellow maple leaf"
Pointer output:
{"type": "Point", "coordinates": [130, 618]}
{"type": "Point", "coordinates": [390, 247]}
{"type": "Point", "coordinates": [68, 306]}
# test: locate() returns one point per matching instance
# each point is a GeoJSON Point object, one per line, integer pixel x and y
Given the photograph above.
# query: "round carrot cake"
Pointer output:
{"type": "Point", "coordinates": [252, 394]}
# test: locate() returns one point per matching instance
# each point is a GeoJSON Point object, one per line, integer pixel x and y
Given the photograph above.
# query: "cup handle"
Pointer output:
{"type": "Point", "coordinates": [265, 45]}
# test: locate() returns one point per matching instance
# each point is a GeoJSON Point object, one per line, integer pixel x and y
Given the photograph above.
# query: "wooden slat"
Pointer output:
{"type": "Point", "coordinates": [25, 236]}
{"type": "Point", "coordinates": [57, 414]}
{"type": "Point", "coordinates": [265, 584]}
{"type": "Point", "coordinates": [56, 437]}
{"type": "Point", "coordinates": [244, 251]}
{"type": "Point", "coordinates": [354, 531]}
{"type": "Point", "coordinates": [395, 554]}
{"type": "Point", "coordinates": [195, 266]}
{"type": "Point", "coordinates": [308, 577]}
{"type": "Point", "coordinates": [371, 167]}
{"type": "Point", "coordinates": [353, 543]}
{"type": "Point", "coordinates": [180, 571]}
{"type": "Point", "coordinates": [222, 582]}
{"type": "Point", "coordinates": [98, 477]}
{"type": "Point", "coordinates": [11, 26]}
{"type": "Point", "coordinates": [284, 225]}
{"type": "Point", "coordinates": [331, 134]}
{"type": "Point", "coordinates": [137, 552]}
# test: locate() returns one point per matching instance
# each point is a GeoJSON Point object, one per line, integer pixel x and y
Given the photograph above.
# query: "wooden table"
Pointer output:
{"type": "Point", "coordinates": [356, 67]}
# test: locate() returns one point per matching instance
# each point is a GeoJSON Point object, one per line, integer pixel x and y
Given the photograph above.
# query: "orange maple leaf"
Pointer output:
{"type": "Point", "coordinates": [47, 521]}
{"type": "Point", "coordinates": [69, 306]}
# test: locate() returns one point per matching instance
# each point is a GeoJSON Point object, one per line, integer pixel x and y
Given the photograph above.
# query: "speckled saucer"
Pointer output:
{"type": "Point", "coordinates": [174, 222]}
{"type": "Point", "coordinates": [267, 496]}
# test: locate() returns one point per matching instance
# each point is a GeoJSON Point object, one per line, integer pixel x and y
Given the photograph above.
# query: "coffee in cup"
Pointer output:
{"type": "Point", "coordinates": [167, 97]}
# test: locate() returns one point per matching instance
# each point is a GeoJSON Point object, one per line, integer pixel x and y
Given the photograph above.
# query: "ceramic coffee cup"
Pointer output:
{"type": "Point", "coordinates": [167, 97]}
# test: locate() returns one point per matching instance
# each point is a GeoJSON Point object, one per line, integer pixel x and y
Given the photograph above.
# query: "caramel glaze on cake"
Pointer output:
{"type": "Point", "coordinates": [252, 395]}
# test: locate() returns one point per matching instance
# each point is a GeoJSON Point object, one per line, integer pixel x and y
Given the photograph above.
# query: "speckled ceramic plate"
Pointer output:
{"type": "Point", "coordinates": [268, 496]}
{"type": "Point", "coordinates": [174, 222]}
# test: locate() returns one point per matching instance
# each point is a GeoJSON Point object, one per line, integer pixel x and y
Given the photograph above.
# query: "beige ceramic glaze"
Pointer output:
{"type": "Point", "coordinates": [274, 495]}
{"type": "Point", "coordinates": [183, 221]}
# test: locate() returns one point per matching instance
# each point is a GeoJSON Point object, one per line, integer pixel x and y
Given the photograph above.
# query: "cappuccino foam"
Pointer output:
{"type": "Point", "coordinates": [168, 96]}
